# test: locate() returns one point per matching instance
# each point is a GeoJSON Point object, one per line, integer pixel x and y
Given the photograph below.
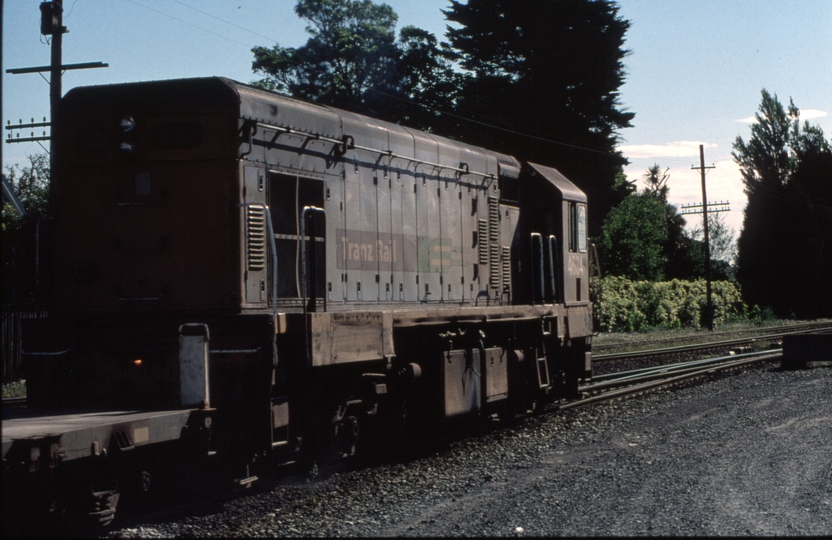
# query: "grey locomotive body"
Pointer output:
{"type": "Point", "coordinates": [294, 275]}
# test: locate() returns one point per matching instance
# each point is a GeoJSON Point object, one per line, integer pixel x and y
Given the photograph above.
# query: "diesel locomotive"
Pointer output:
{"type": "Point", "coordinates": [242, 280]}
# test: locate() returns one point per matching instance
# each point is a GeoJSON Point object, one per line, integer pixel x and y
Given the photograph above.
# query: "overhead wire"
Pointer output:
{"type": "Point", "coordinates": [508, 130]}
{"type": "Point", "coordinates": [224, 21]}
{"type": "Point", "coordinates": [189, 23]}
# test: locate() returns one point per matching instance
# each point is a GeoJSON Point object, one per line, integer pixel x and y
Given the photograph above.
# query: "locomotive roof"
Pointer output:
{"type": "Point", "coordinates": [169, 96]}
{"type": "Point", "coordinates": [172, 95]}
{"type": "Point", "coordinates": [323, 120]}
{"type": "Point", "coordinates": [567, 189]}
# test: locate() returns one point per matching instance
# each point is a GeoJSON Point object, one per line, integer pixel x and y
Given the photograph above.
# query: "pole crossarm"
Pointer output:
{"type": "Point", "coordinates": [33, 125]}
{"type": "Point", "coordinates": [27, 139]}
{"type": "Point", "coordinates": [62, 67]}
{"type": "Point", "coordinates": [699, 208]}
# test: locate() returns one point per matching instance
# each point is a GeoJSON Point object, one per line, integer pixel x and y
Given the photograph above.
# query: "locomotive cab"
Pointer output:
{"type": "Point", "coordinates": [551, 239]}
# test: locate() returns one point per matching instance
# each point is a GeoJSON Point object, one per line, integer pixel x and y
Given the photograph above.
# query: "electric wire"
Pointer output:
{"type": "Point", "coordinates": [189, 24]}
{"type": "Point", "coordinates": [224, 21]}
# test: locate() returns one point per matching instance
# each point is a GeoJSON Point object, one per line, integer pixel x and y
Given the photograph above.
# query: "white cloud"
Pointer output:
{"type": "Point", "coordinates": [805, 114]}
{"type": "Point", "coordinates": [724, 184]}
{"type": "Point", "coordinates": [810, 114]}
{"type": "Point", "coordinates": [672, 149]}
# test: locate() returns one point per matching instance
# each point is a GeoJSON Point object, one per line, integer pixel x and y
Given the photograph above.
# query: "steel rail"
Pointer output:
{"type": "Point", "coordinates": [669, 367]}
{"type": "Point", "coordinates": [761, 333]}
{"type": "Point", "coordinates": [695, 346]}
{"type": "Point", "coordinates": [621, 378]}
{"type": "Point", "coordinates": [635, 389]}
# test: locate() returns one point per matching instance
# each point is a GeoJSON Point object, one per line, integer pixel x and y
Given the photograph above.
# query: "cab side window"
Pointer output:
{"type": "Point", "coordinates": [577, 227]}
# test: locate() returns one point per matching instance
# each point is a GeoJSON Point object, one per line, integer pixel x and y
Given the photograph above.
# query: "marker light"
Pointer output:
{"type": "Point", "coordinates": [137, 362]}
{"type": "Point", "coordinates": [127, 124]}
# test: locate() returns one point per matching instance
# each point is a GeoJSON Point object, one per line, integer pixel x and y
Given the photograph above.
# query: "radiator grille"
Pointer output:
{"type": "Point", "coordinates": [256, 238]}
{"type": "Point", "coordinates": [493, 219]}
{"type": "Point", "coordinates": [482, 240]}
{"type": "Point", "coordinates": [494, 267]}
{"type": "Point", "coordinates": [506, 266]}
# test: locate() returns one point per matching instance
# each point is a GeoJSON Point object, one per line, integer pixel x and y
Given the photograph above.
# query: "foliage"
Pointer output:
{"type": "Point", "coordinates": [720, 238]}
{"type": "Point", "coordinates": [429, 81]}
{"type": "Point", "coordinates": [644, 237]}
{"type": "Point", "coordinates": [20, 238]}
{"type": "Point", "coordinates": [785, 247]}
{"type": "Point", "coordinates": [656, 182]}
{"type": "Point", "coordinates": [15, 389]}
{"type": "Point", "coordinates": [547, 77]}
{"type": "Point", "coordinates": [31, 185]}
{"type": "Point", "coordinates": [631, 306]}
{"type": "Point", "coordinates": [633, 237]}
{"type": "Point", "coordinates": [351, 50]}
{"type": "Point", "coordinates": [311, 479]}
{"type": "Point", "coordinates": [550, 76]}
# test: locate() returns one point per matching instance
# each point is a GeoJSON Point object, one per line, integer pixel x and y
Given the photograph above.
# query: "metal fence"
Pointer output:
{"type": "Point", "coordinates": [11, 339]}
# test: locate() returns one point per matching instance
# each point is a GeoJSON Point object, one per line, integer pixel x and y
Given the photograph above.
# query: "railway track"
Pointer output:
{"type": "Point", "coordinates": [604, 387]}
{"type": "Point", "coordinates": [626, 383]}
{"type": "Point", "coordinates": [19, 401]}
{"type": "Point", "coordinates": [754, 334]}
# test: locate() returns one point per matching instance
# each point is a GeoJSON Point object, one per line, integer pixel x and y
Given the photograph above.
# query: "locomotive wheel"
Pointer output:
{"type": "Point", "coordinates": [103, 508]}
{"type": "Point", "coordinates": [346, 436]}
{"type": "Point", "coordinates": [145, 481]}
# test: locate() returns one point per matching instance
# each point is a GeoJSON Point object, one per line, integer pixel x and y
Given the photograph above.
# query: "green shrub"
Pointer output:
{"type": "Point", "coordinates": [632, 306]}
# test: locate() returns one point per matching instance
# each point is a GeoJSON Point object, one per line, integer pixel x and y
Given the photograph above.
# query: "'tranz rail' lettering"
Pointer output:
{"type": "Point", "coordinates": [361, 251]}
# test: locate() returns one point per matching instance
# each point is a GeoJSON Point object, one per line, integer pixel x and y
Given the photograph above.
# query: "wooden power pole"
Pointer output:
{"type": "Point", "coordinates": [710, 308]}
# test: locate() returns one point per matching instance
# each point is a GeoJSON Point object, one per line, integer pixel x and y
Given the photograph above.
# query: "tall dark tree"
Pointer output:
{"type": "Point", "coordinates": [352, 51]}
{"type": "Point", "coordinates": [429, 81]}
{"type": "Point", "coordinates": [548, 72]}
{"type": "Point", "coordinates": [785, 247]}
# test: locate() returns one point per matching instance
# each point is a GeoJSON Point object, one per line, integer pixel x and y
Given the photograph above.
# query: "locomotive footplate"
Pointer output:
{"type": "Point", "coordinates": [41, 439]}
{"type": "Point", "coordinates": [69, 469]}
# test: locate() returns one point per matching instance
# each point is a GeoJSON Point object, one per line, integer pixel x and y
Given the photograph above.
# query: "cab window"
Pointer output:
{"type": "Point", "coordinates": [577, 227]}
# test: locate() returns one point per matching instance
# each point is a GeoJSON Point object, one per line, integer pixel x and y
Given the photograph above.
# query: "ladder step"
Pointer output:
{"type": "Point", "coordinates": [543, 373]}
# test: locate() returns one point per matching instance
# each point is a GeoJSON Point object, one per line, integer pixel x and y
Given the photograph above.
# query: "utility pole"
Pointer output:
{"type": "Point", "coordinates": [51, 24]}
{"type": "Point", "coordinates": [710, 308]}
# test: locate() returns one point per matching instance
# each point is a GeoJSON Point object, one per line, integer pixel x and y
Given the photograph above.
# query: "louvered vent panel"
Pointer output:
{"type": "Point", "coordinates": [506, 266]}
{"type": "Point", "coordinates": [482, 240]}
{"type": "Point", "coordinates": [494, 268]}
{"type": "Point", "coordinates": [493, 220]}
{"type": "Point", "coordinates": [256, 238]}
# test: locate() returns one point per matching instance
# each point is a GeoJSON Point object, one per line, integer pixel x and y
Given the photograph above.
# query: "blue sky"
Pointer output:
{"type": "Point", "coordinates": [694, 75]}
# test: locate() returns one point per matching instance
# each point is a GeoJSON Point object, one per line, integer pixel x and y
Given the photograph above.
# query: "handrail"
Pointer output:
{"type": "Point", "coordinates": [274, 269]}
{"type": "Point", "coordinates": [348, 143]}
{"type": "Point", "coordinates": [307, 210]}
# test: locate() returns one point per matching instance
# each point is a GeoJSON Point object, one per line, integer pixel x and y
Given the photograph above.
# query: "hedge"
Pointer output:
{"type": "Point", "coordinates": [631, 306]}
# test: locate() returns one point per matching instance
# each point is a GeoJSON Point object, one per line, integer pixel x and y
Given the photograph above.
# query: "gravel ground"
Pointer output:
{"type": "Point", "coordinates": [745, 453]}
